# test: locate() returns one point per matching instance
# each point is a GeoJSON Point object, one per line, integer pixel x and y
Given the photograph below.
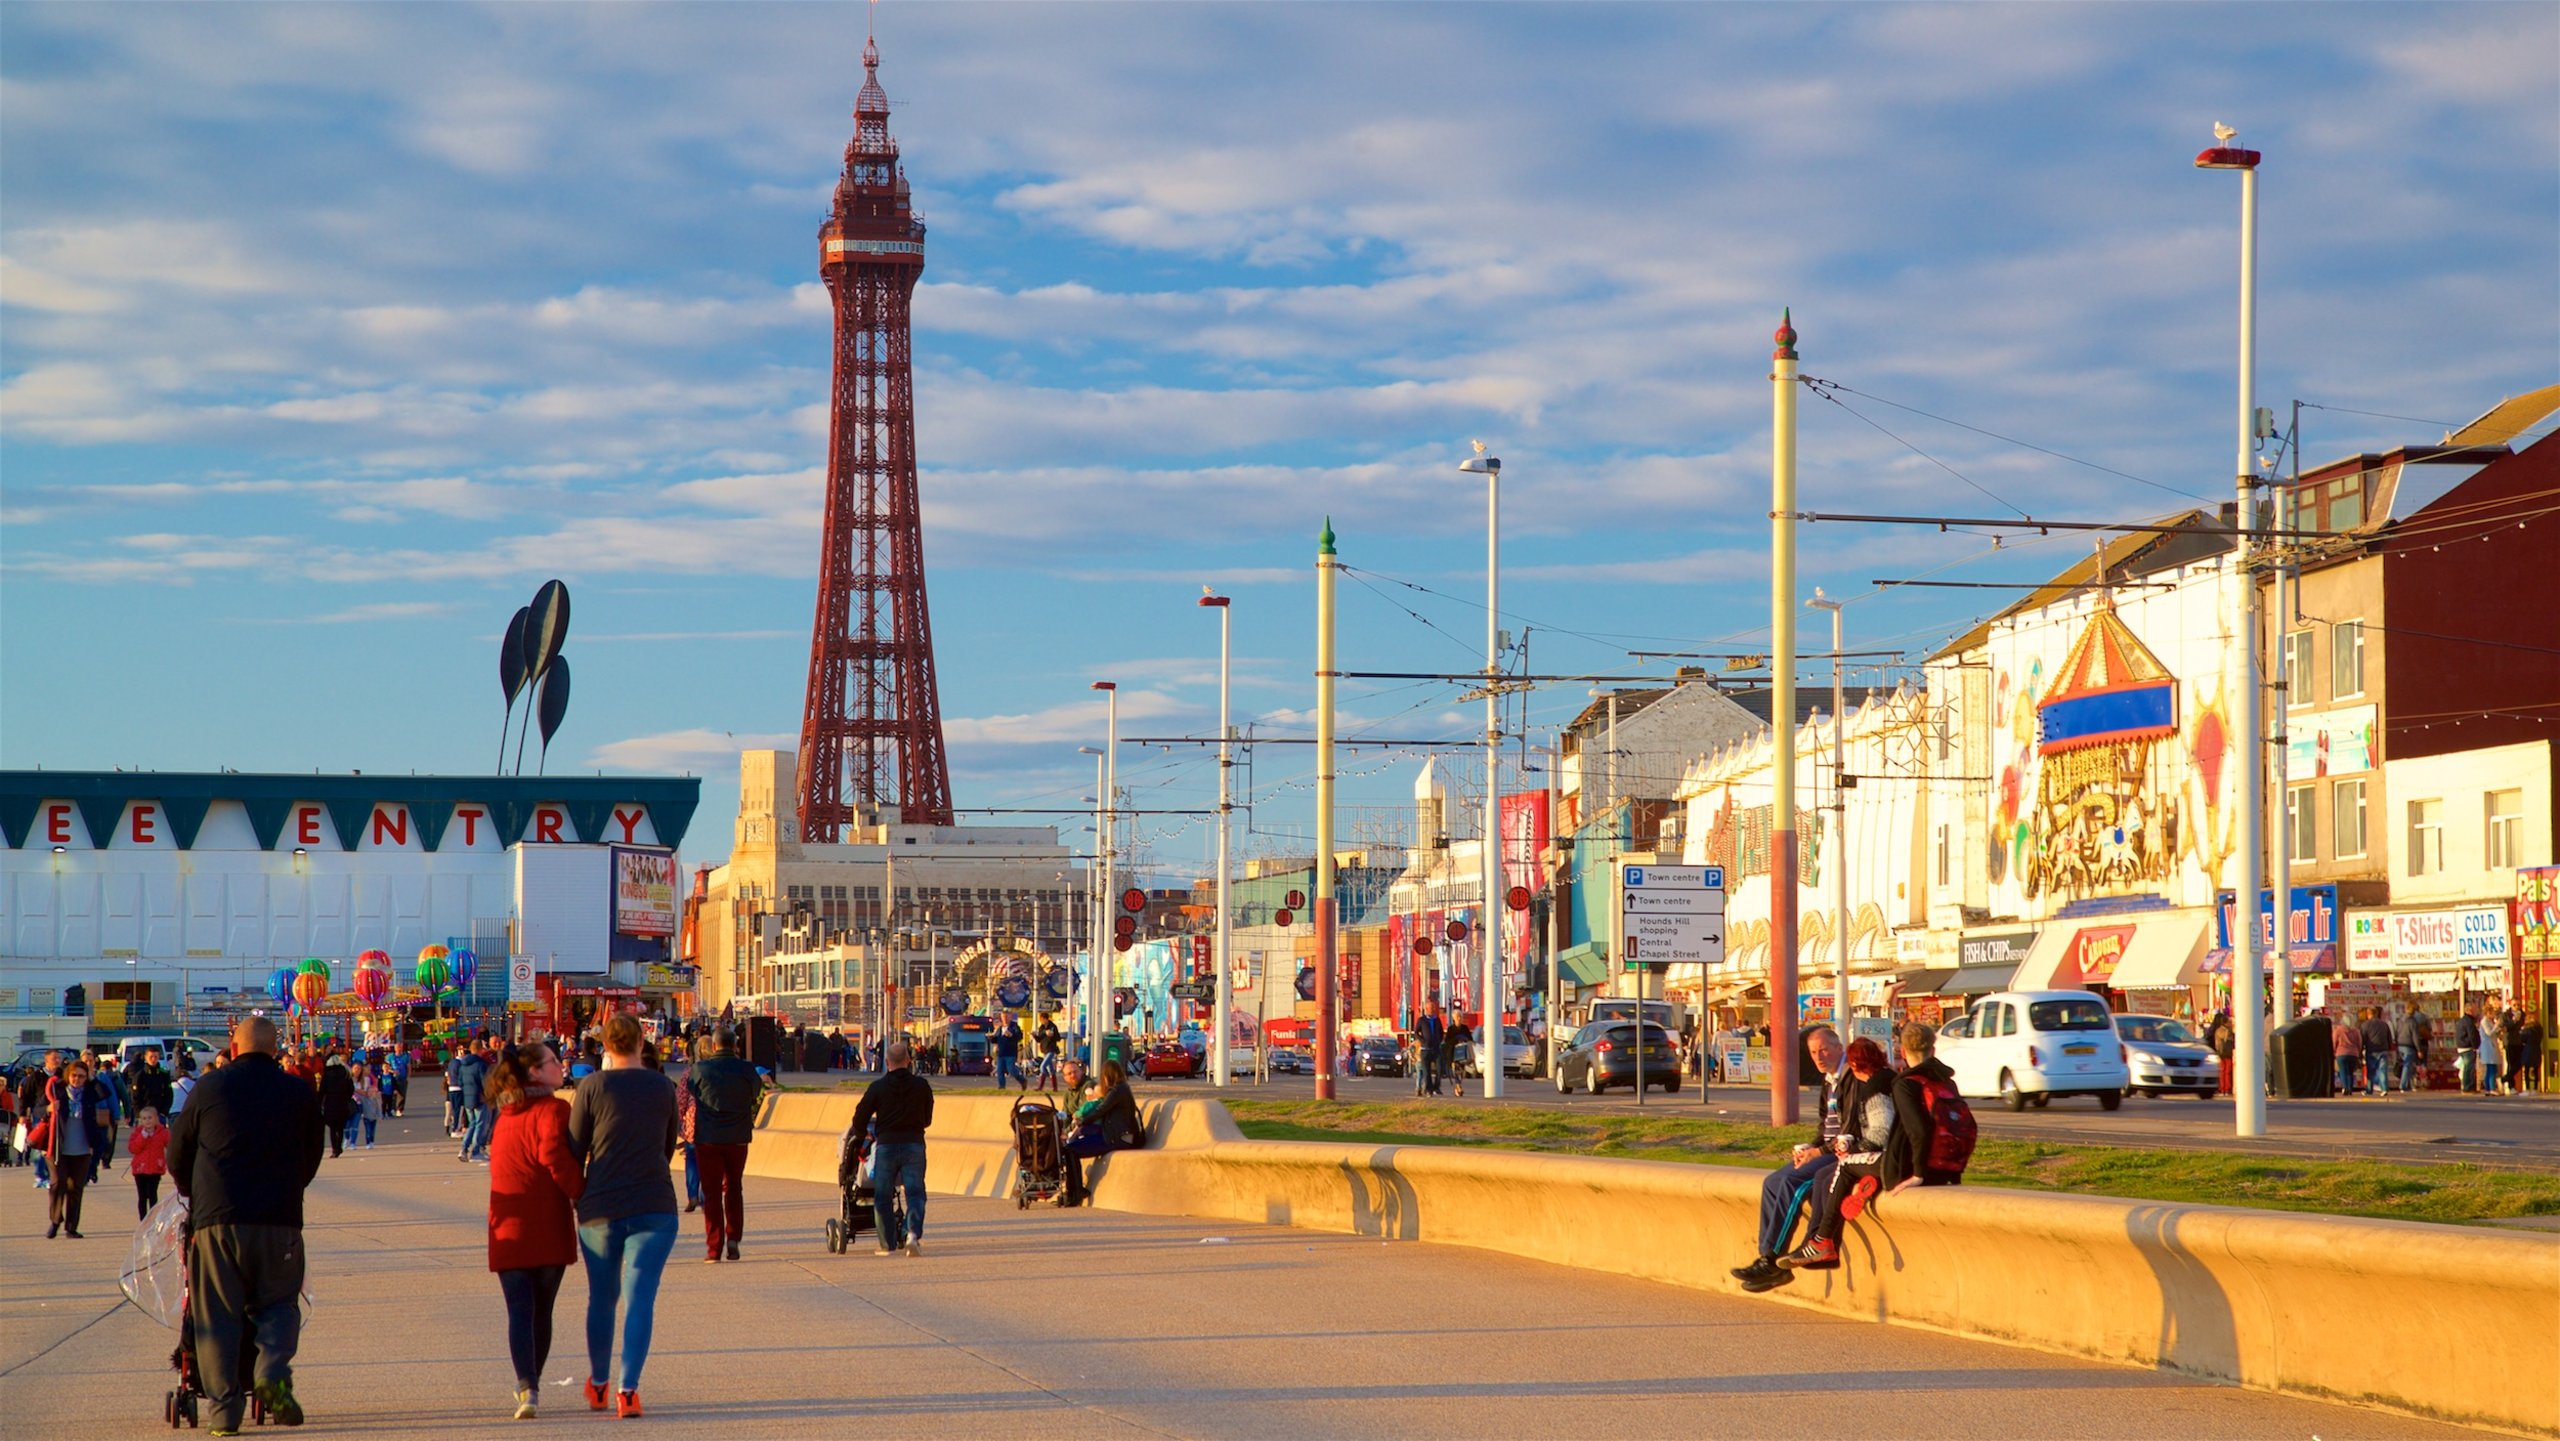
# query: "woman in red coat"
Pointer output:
{"type": "Point", "coordinates": [534, 1183]}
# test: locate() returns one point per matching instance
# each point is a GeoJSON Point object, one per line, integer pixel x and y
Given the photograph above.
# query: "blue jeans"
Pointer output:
{"type": "Point", "coordinates": [1784, 1195]}
{"type": "Point", "coordinates": [2408, 1067]}
{"type": "Point", "coordinates": [2377, 1072]}
{"type": "Point", "coordinates": [899, 1164]}
{"type": "Point", "coordinates": [624, 1258]}
{"type": "Point", "coordinates": [1009, 1066]}
{"type": "Point", "coordinates": [475, 1141]}
{"type": "Point", "coordinates": [2346, 1075]}
{"type": "Point", "coordinates": [692, 1178]}
{"type": "Point", "coordinates": [452, 1110]}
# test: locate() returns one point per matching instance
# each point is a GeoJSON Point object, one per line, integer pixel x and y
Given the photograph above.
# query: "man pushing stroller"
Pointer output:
{"type": "Point", "coordinates": [900, 1104]}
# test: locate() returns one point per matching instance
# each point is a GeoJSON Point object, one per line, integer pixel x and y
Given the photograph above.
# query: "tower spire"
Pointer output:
{"type": "Point", "coordinates": [871, 731]}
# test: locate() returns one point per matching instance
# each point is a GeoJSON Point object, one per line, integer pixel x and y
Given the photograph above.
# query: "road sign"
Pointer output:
{"type": "Point", "coordinates": [1670, 915]}
{"type": "Point", "coordinates": [1517, 898]}
{"type": "Point", "coordinates": [919, 1013]}
{"type": "Point", "coordinates": [520, 981]}
{"type": "Point", "coordinates": [1133, 899]}
{"type": "Point", "coordinates": [1190, 991]}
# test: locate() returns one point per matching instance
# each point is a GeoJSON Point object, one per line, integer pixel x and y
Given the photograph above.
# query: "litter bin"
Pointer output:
{"type": "Point", "coordinates": [2299, 1065]}
{"type": "Point", "coordinates": [1116, 1047]}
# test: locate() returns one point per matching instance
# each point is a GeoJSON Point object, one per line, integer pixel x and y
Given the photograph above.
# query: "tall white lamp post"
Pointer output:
{"type": "Point", "coordinates": [1094, 1015]}
{"type": "Point", "coordinates": [1489, 920]}
{"type": "Point", "coordinates": [2249, 1049]}
{"type": "Point", "coordinates": [1226, 934]}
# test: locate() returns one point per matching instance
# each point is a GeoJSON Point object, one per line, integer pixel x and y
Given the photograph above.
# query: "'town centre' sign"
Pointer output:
{"type": "Point", "coordinates": [1670, 914]}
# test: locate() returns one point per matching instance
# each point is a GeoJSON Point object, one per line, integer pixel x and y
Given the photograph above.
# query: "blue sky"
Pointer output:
{"type": "Point", "coordinates": [328, 332]}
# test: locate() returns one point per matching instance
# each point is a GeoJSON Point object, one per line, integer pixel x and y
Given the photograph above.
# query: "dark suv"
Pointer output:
{"type": "Point", "coordinates": [1377, 1056]}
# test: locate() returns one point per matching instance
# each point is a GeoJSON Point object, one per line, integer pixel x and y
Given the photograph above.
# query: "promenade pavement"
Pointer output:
{"type": "Point", "coordinates": [1046, 1323]}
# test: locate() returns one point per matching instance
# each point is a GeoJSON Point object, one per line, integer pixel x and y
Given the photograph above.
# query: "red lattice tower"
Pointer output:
{"type": "Point", "coordinates": [871, 733]}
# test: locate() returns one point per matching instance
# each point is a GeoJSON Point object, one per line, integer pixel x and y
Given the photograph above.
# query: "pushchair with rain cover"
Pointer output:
{"type": "Point", "coordinates": [159, 1279]}
{"type": "Point", "coordinates": [853, 1181]}
{"type": "Point", "coordinates": [1039, 1151]}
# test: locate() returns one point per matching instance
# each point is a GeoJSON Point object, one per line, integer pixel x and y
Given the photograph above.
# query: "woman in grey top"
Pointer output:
{"type": "Point", "coordinates": [622, 1128]}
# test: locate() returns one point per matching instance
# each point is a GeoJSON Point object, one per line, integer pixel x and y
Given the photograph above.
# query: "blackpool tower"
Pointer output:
{"type": "Point", "coordinates": [871, 730]}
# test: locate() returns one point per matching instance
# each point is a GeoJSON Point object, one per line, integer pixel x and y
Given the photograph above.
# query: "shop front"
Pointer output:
{"type": "Point", "coordinates": [2438, 961]}
{"type": "Point", "coordinates": [570, 1006]}
{"type": "Point", "coordinates": [2311, 922]}
{"type": "Point", "coordinates": [2147, 962]}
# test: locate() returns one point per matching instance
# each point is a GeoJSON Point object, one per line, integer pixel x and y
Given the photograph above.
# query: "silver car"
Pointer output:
{"type": "Point", "coordinates": [2164, 1058]}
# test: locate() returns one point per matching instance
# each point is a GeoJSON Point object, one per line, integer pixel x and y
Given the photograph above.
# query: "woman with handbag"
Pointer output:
{"type": "Point", "coordinates": [74, 1132]}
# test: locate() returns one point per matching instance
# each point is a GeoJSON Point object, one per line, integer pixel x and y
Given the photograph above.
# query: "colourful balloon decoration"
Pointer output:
{"type": "Point", "coordinates": [314, 966]}
{"type": "Point", "coordinates": [433, 973]}
{"type": "Point", "coordinates": [372, 980]}
{"type": "Point", "coordinates": [309, 989]}
{"type": "Point", "coordinates": [375, 958]}
{"type": "Point", "coordinates": [280, 985]}
{"type": "Point", "coordinates": [466, 967]}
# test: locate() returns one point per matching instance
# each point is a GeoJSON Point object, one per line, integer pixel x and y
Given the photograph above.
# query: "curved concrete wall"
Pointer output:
{"type": "Point", "coordinates": [2446, 1321]}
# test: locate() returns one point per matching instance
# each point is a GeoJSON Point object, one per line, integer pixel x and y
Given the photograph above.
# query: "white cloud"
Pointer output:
{"type": "Point", "coordinates": [693, 752]}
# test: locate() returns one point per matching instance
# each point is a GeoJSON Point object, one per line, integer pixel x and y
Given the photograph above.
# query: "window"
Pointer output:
{"type": "Point", "coordinates": [2346, 659]}
{"type": "Point", "coordinates": [2346, 819]}
{"type": "Point", "coordinates": [2301, 808]}
{"type": "Point", "coordinates": [2504, 846]}
{"type": "Point", "coordinates": [2297, 668]}
{"type": "Point", "coordinates": [2346, 505]}
{"type": "Point", "coordinates": [2426, 837]}
{"type": "Point", "coordinates": [1943, 857]}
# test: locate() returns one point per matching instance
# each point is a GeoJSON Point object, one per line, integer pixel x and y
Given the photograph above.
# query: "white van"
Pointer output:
{"type": "Point", "coordinates": [2031, 1046]}
{"type": "Point", "coordinates": [170, 1048]}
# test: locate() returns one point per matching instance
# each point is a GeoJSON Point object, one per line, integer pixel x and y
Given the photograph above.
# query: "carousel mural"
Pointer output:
{"type": "Point", "coordinates": [2101, 821]}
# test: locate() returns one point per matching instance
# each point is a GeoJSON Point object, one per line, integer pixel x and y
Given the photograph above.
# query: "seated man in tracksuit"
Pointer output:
{"type": "Point", "coordinates": [1865, 1144]}
{"type": "Point", "coordinates": [1789, 1190]}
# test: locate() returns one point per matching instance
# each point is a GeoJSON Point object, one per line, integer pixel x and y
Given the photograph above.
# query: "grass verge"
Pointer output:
{"type": "Point", "coordinates": [2452, 1192]}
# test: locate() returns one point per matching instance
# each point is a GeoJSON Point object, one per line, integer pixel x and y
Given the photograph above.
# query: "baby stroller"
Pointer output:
{"type": "Point", "coordinates": [853, 1180]}
{"type": "Point", "coordinates": [158, 1277]}
{"type": "Point", "coordinates": [1039, 1154]}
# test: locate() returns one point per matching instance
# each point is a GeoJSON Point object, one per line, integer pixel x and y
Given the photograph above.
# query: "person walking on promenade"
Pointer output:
{"type": "Point", "coordinates": [146, 1149]}
{"type": "Point", "coordinates": [1428, 1033]}
{"type": "Point", "coordinates": [2525, 1063]}
{"type": "Point", "coordinates": [2375, 1033]}
{"type": "Point", "coordinates": [725, 1091]}
{"type": "Point", "coordinates": [243, 1152]}
{"type": "Point", "coordinates": [337, 1102]}
{"type": "Point", "coordinates": [1048, 1040]}
{"type": "Point", "coordinates": [1787, 1191]}
{"type": "Point", "coordinates": [32, 1089]}
{"type": "Point", "coordinates": [1008, 1049]}
{"type": "Point", "coordinates": [1106, 1122]}
{"type": "Point", "coordinates": [534, 1185]}
{"type": "Point", "coordinates": [454, 1111]}
{"type": "Point", "coordinates": [78, 1125]}
{"type": "Point", "coordinates": [369, 1095]}
{"type": "Point", "coordinates": [2510, 1033]}
{"type": "Point", "coordinates": [622, 1129]}
{"type": "Point", "coordinates": [1453, 1036]}
{"type": "Point", "coordinates": [684, 1138]}
{"type": "Point", "coordinates": [2466, 1048]}
{"type": "Point", "coordinates": [478, 1114]}
{"type": "Point", "coordinates": [147, 1084]}
{"type": "Point", "coordinates": [895, 1112]}
{"type": "Point", "coordinates": [2346, 1050]}
{"type": "Point", "coordinates": [2409, 1041]}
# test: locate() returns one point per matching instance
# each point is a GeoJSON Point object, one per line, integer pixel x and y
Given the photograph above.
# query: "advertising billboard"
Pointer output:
{"type": "Point", "coordinates": [644, 892]}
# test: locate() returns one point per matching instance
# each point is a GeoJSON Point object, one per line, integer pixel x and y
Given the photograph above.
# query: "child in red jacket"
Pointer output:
{"type": "Point", "coordinates": [534, 1185]}
{"type": "Point", "coordinates": [148, 1145]}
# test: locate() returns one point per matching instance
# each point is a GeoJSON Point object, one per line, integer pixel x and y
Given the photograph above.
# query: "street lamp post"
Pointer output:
{"type": "Point", "coordinates": [1093, 1012]}
{"type": "Point", "coordinates": [1093, 906]}
{"type": "Point", "coordinates": [1226, 934]}
{"type": "Point", "coordinates": [2249, 1049]}
{"type": "Point", "coordinates": [1839, 856]}
{"type": "Point", "coordinates": [1489, 920]}
{"type": "Point", "coordinates": [1783, 1099]}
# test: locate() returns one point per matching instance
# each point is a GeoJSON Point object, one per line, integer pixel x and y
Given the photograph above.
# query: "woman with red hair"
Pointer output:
{"type": "Point", "coordinates": [1866, 1132]}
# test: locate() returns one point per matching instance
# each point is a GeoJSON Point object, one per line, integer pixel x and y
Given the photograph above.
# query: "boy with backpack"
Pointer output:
{"type": "Point", "coordinates": [1933, 1129]}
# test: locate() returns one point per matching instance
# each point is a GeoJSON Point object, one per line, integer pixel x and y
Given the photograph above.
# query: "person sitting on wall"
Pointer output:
{"type": "Point", "coordinates": [1107, 1122]}
{"type": "Point", "coordinates": [1786, 1192]}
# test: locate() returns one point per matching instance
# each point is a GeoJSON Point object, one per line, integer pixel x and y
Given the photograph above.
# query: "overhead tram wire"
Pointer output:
{"type": "Point", "coordinates": [1826, 392]}
{"type": "Point", "coordinates": [1820, 385]}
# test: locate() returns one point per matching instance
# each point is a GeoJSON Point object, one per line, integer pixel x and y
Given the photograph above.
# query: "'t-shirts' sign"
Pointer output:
{"type": "Point", "coordinates": [2471, 936]}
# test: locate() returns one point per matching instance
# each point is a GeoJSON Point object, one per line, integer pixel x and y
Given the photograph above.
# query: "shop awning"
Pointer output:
{"type": "Point", "coordinates": [1873, 990]}
{"type": "Point", "coordinates": [2307, 960]}
{"type": "Point", "coordinates": [2163, 954]}
{"type": "Point", "coordinates": [2053, 945]}
{"type": "Point", "coordinates": [1973, 981]}
{"type": "Point", "coordinates": [1584, 965]}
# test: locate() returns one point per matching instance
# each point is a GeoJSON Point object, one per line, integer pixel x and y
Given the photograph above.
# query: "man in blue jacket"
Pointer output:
{"type": "Point", "coordinates": [470, 1070]}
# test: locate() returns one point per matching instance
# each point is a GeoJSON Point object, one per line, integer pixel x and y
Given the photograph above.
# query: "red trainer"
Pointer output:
{"type": "Point", "coordinates": [1818, 1255]}
{"type": "Point", "coordinates": [627, 1406]}
{"type": "Point", "coordinates": [1854, 1205]}
{"type": "Point", "coordinates": [596, 1397]}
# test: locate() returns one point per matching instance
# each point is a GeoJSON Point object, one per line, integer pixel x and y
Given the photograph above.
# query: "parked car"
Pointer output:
{"type": "Point", "coordinates": [1240, 1060]}
{"type": "Point", "coordinates": [1295, 1060]}
{"type": "Point", "coordinates": [1519, 1058]}
{"type": "Point", "coordinates": [170, 1048]}
{"type": "Point", "coordinates": [1377, 1056]}
{"type": "Point", "coordinates": [1603, 1054]}
{"type": "Point", "coordinates": [1168, 1058]}
{"type": "Point", "coordinates": [2027, 1047]}
{"type": "Point", "coordinates": [2166, 1058]}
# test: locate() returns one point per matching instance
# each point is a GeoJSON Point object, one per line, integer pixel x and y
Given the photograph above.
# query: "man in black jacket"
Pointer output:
{"type": "Point", "coordinates": [242, 1153]}
{"type": "Point", "coordinates": [726, 1092]}
{"type": "Point", "coordinates": [900, 1105]}
{"type": "Point", "coordinates": [146, 1084]}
